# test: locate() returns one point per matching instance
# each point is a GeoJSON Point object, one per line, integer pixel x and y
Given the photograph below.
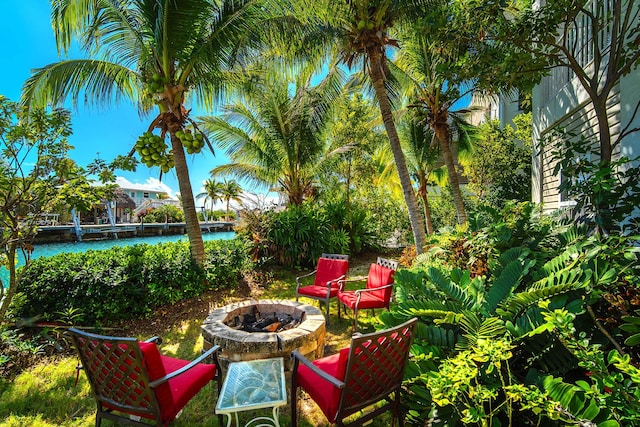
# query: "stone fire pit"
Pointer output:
{"type": "Point", "coordinates": [307, 337]}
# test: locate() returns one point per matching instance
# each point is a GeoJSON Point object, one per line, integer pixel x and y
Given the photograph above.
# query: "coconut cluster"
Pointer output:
{"type": "Point", "coordinates": [153, 151]}
{"type": "Point", "coordinates": [156, 83]}
{"type": "Point", "coordinates": [193, 143]}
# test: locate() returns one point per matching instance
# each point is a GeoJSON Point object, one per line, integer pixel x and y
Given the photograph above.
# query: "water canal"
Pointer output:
{"type": "Point", "coordinates": [50, 249]}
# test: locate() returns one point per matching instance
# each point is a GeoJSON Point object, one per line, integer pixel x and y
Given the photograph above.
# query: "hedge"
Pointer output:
{"type": "Point", "coordinates": [127, 282]}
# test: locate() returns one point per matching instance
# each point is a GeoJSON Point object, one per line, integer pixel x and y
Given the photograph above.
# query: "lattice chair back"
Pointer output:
{"type": "Point", "coordinates": [116, 373]}
{"type": "Point", "coordinates": [388, 263]}
{"type": "Point", "coordinates": [131, 380]}
{"type": "Point", "coordinates": [375, 367]}
{"type": "Point", "coordinates": [336, 256]}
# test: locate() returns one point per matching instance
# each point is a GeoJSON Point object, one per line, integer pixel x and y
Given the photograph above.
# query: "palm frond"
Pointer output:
{"type": "Point", "coordinates": [100, 82]}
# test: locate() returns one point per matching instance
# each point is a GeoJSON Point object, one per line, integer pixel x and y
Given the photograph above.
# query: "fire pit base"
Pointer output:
{"type": "Point", "coordinates": [237, 345]}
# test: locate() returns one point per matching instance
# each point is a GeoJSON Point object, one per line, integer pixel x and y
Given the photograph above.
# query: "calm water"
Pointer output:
{"type": "Point", "coordinates": [50, 249]}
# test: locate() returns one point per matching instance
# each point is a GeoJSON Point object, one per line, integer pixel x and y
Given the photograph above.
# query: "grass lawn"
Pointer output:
{"type": "Point", "coordinates": [45, 394]}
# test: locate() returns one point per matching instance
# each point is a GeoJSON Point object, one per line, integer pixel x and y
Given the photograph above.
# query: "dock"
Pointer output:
{"type": "Point", "coordinates": [68, 233]}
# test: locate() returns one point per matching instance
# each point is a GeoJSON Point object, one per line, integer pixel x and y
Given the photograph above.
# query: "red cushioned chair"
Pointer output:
{"type": "Point", "coordinates": [377, 293]}
{"type": "Point", "coordinates": [367, 372]}
{"type": "Point", "coordinates": [330, 270]}
{"type": "Point", "coordinates": [132, 381]}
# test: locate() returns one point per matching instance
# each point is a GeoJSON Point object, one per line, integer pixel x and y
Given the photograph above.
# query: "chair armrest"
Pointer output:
{"type": "Point", "coordinates": [295, 354]}
{"type": "Point", "coordinates": [156, 339]}
{"type": "Point", "coordinates": [338, 279]}
{"type": "Point", "coordinates": [373, 289]}
{"type": "Point", "coordinates": [302, 277]}
{"type": "Point", "coordinates": [351, 279]}
{"type": "Point", "coordinates": [206, 354]}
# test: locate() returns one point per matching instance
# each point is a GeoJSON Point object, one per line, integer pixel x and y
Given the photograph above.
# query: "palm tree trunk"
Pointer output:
{"type": "Point", "coordinates": [427, 210]}
{"type": "Point", "coordinates": [188, 203]}
{"type": "Point", "coordinates": [377, 78]}
{"type": "Point", "coordinates": [226, 215]}
{"type": "Point", "coordinates": [348, 184]}
{"type": "Point", "coordinates": [442, 134]}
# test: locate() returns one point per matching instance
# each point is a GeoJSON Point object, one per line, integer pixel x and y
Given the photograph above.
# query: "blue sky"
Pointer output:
{"type": "Point", "coordinates": [29, 43]}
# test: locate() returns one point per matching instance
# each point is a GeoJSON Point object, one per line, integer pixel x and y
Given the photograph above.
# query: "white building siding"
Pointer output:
{"type": "Point", "coordinates": [560, 101]}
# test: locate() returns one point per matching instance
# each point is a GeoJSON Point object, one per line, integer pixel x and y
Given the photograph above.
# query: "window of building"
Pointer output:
{"type": "Point", "coordinates": [145, 195]}
{"type": "Point", "coordinates": [132, 194]}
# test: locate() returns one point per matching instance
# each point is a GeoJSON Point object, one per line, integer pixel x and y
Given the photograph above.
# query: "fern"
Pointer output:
{"type": "Point", "coordinates": [476, 328]}
{"type": "Point", "coordinates": [449, 288]}
{"type": "Point", "coordinates": [438, 336]}
{"type": "Point", "coordinates": [504, 285]}
{"type": "Point", "coordinates": [577, 404]}
{"type": "Point", "coordinates": [523, 300]}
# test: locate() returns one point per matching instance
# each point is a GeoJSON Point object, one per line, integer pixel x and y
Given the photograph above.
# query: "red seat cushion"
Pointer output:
{"type": "Point", "coordinates": [330, 269]}
{"type": "Point", "coordinates": [367, 300]}
{"type": "Point", "coordinates": [318, 292]}
{"type": "Point", "coordinates": [326, 396]}
{"type": "Point", "coordinates": [183, 387]}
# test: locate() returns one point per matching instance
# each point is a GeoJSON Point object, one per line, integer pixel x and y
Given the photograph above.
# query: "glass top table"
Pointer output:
{"type": "Point", "coordinates": [254, 384]}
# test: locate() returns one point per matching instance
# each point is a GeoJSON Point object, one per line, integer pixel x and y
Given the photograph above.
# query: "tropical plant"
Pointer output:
{"type": "Point", "coordinates": [481, 336]}
{"type": "Point", "coordinates": [272, 134]}
{"type": "Point", "coordinates": [36, 174]}
{"type": "Point", "coordinates": [609, 193]}
{"type": "Point", "coordinates": [298, 235]}
{"type": "Point", "coordinates": [164, 213]}
{"type": "Point", "coordinates": [154, 53]}
{"type": "Point", "coordinates": [353, 138]}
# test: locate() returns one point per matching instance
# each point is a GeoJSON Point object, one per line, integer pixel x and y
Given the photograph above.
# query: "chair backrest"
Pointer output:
{"type": "Point", "coordinates": [389, 263]}
{"type": "Point", "coordinates": [118, 373]}
{"type": "Point", "coordinates": [335, 256]}
{"type": "Point", "coordinates": [381, 274]}
{"type": "Point", "coordinates": [375, 367]}
{"type": "Point", "coordinates": [331, 269]}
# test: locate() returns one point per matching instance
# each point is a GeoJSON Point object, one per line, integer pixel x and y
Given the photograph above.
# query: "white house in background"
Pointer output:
{"type": "Point", "coordinates": [503, 108]}
{"type": "Point", "coordinates": [560, 101]}
{"type": "Point", "coordinates": [151, 194]}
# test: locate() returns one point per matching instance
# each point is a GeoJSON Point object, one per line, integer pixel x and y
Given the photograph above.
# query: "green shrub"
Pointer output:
{"type": "Point", "coordinates": [298, 235]}
{"type": "Point", "coordinates": [165, 213]}
{"type": "Point", "coordinates": [127, 282]}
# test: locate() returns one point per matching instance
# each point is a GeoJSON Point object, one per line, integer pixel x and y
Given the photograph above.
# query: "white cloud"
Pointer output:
{"type": "Point", "coordinates": [151, 184]}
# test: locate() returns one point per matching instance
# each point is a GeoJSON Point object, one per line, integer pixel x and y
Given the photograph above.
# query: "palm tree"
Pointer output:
{"type": "Point", "coordinates": [154, 53]}
{"type": "Point", "coordinates": [230, 190]}
{"type": "Point", "coordinates": [434, 93]}
{"type": "Point", "coordinates": [273, 135]}
{"type": "Point", "coordinates": [361, 29]}
{"type": "Point", "coordinates": [422, 157]}
{"type": "Point", "coordinates": [212, 192]}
